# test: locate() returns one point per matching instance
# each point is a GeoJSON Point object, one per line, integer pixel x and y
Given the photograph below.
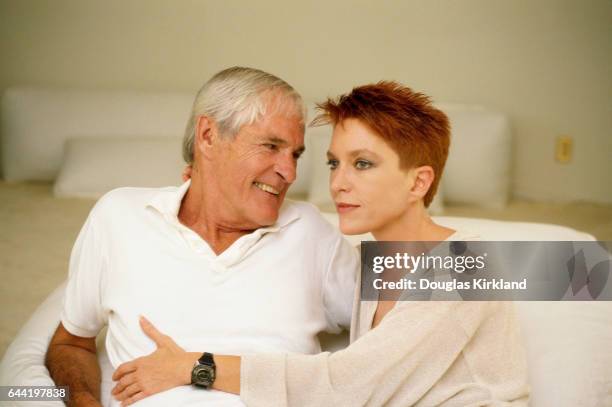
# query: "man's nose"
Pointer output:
{"type": "Point", "coordinates": [286, 167]}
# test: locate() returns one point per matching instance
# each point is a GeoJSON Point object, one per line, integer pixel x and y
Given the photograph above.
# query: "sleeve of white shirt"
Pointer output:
{"type": "Point", "coordinates": [339, 285]}
{"type": "Point", "coordinates": [82, 313]}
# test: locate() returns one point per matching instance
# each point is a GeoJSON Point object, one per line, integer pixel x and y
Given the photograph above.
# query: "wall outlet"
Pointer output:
{"type": "Point", "coordinates": [564, 149]}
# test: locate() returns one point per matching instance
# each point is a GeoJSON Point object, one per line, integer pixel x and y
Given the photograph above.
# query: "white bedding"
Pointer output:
{"type": "Point", "coordinates": [566, 342]}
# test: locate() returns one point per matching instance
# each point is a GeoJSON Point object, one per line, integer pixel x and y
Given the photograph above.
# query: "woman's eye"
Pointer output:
{"type": "Point", "coordinates": [362, 164]}
{"type": "Point", "coordinates": [332, 164]}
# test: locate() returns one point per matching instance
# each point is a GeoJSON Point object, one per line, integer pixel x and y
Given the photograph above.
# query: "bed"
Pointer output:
{"type": "Point", "coordinates": [61, 149]}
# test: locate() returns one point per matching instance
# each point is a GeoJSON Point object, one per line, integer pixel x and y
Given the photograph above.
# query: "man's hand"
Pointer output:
{"type": "Point", "coordinates": [168, 367]}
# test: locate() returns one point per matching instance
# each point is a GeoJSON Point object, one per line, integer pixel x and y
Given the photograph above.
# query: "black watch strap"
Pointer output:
{"type": "Point", "coordinates": [207, 359]}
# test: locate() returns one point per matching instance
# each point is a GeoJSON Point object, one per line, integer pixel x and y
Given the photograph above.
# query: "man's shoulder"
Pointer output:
{"type": "Point", "coordinates": [315, 225]}
{"type": "Point", "coordinates": [318, 233]}
{"type": "Point", "coordinates": [309, 215]}
{"type": "Point", "coordinates": [127, 199]}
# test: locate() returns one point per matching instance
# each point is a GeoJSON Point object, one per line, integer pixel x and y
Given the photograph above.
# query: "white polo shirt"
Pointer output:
{"type": "Point", "coordinates": [272, 290]}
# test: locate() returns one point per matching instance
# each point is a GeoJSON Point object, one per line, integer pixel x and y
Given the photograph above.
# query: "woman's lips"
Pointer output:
{"type": "Point", "coordinates": [342, 207]}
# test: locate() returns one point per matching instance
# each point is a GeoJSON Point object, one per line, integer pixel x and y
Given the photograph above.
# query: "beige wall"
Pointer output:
{"type": "Point", "coordinates": [546, 63]}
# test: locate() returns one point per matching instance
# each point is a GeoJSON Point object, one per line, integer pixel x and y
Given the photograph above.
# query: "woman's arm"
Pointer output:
{"type": "Point", "coordinates": [168, 367]}
{"type": "Point", "coordinates": [407, 352]}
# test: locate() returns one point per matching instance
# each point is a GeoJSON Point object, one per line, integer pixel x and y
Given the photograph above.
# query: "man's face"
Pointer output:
{"type": "Point", "coordinates": [253, 171]}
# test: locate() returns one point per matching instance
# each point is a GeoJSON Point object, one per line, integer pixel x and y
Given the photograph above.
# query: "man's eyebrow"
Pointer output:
{"type": "Point", "coordinates": [282, 142]}
{"type": "Point", "coordinates": [276, 140]}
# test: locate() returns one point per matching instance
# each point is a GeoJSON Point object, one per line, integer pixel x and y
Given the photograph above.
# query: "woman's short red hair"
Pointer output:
{"type": "Point", "coordinates": [406, 120]}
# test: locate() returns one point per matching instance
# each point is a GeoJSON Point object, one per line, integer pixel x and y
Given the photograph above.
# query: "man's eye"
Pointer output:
{"type": "Point", "coordinates": [362, 164]}
{"type": "Point", "coordinates": [271, 146]}
{"type": "Point", "coordinates": [332, 164]}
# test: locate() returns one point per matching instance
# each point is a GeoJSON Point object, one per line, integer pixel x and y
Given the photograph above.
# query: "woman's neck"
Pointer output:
{"type": "Point", "coordinates": [414, 224]}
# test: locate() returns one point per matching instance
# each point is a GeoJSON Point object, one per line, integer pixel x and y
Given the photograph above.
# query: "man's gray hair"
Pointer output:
{"type": "Point", "coordinates": [234, 98]}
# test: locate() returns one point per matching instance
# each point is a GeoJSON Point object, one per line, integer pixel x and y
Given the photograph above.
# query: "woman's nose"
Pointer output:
{"type": "Point", "coordinates": [338, 181]}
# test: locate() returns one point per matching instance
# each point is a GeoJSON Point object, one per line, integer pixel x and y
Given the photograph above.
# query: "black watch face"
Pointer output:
{"type": "Point", "coordinates": [203, 375]}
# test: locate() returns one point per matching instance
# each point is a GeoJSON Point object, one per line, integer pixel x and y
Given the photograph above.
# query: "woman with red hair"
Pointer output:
{"type": "Point", "coordinates": [387, 155]}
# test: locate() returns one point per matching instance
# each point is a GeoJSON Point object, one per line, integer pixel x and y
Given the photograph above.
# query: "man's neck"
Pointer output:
{"type": "Point", "coordinates": [201, 213]}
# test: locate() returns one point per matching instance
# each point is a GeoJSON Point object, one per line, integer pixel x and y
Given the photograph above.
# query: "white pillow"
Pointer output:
{"type": "Point", "coordinates": [478, 167]}
{"type": "Point", "coordinates": [93, 166]}
{"type": "Point", "coordinates": [318, 140]}
{"type": "Point", "coordinates": [568, 351]}
{"type": "Point", "coordinates": [32, 148]}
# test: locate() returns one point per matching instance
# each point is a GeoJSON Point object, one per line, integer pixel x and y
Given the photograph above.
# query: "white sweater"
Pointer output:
{"type": "Point", "coordinates": [423, 353]}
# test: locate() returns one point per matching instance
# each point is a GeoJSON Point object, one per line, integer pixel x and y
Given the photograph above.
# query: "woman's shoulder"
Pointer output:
{"type": "Point", "coordinates": [463, 235]}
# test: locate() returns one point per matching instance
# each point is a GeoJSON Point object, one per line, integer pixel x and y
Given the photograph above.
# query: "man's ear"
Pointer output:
{"type": "Point", "coordinates": [205, 136]}
{"type": "Point", "coordinates": [423, 178]}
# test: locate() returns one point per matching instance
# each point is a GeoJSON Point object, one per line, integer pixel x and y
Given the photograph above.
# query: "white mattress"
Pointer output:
{"type": "Point", "coordinates": [566, 342]}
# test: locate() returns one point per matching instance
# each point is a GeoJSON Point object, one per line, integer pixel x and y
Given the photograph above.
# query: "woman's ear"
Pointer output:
{"type": "Point", "coordinates": [423, 178]}
{"type": "Point", "coordinates": [205, 135]}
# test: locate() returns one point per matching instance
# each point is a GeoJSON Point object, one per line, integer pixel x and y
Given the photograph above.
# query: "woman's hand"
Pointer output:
{"type": "Point", "coordinates": [169, 366]}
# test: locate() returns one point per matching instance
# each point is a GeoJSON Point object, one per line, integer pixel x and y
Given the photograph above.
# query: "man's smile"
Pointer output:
{"type": "Point", "coordinates": [266, 188]}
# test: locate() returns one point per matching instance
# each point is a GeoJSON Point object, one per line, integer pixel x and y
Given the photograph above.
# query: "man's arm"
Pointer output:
{"type": "Point", "coordinates": [72, 362]}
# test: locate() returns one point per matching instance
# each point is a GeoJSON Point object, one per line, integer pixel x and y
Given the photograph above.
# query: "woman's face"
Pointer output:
{"type": "Point", "coordinates": [366, 183]}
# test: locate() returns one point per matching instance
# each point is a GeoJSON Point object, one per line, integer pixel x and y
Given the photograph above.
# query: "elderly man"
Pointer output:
{"type": "Point", "coordinates": [220, 263]}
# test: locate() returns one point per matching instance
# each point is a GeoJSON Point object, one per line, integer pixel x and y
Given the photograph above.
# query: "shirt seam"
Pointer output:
{"type": "Point", "coordinates": [326, 283]}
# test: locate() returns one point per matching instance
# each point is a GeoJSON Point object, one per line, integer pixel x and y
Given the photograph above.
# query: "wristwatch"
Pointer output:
{"type": "Point", "coordinates": [204, 371]}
